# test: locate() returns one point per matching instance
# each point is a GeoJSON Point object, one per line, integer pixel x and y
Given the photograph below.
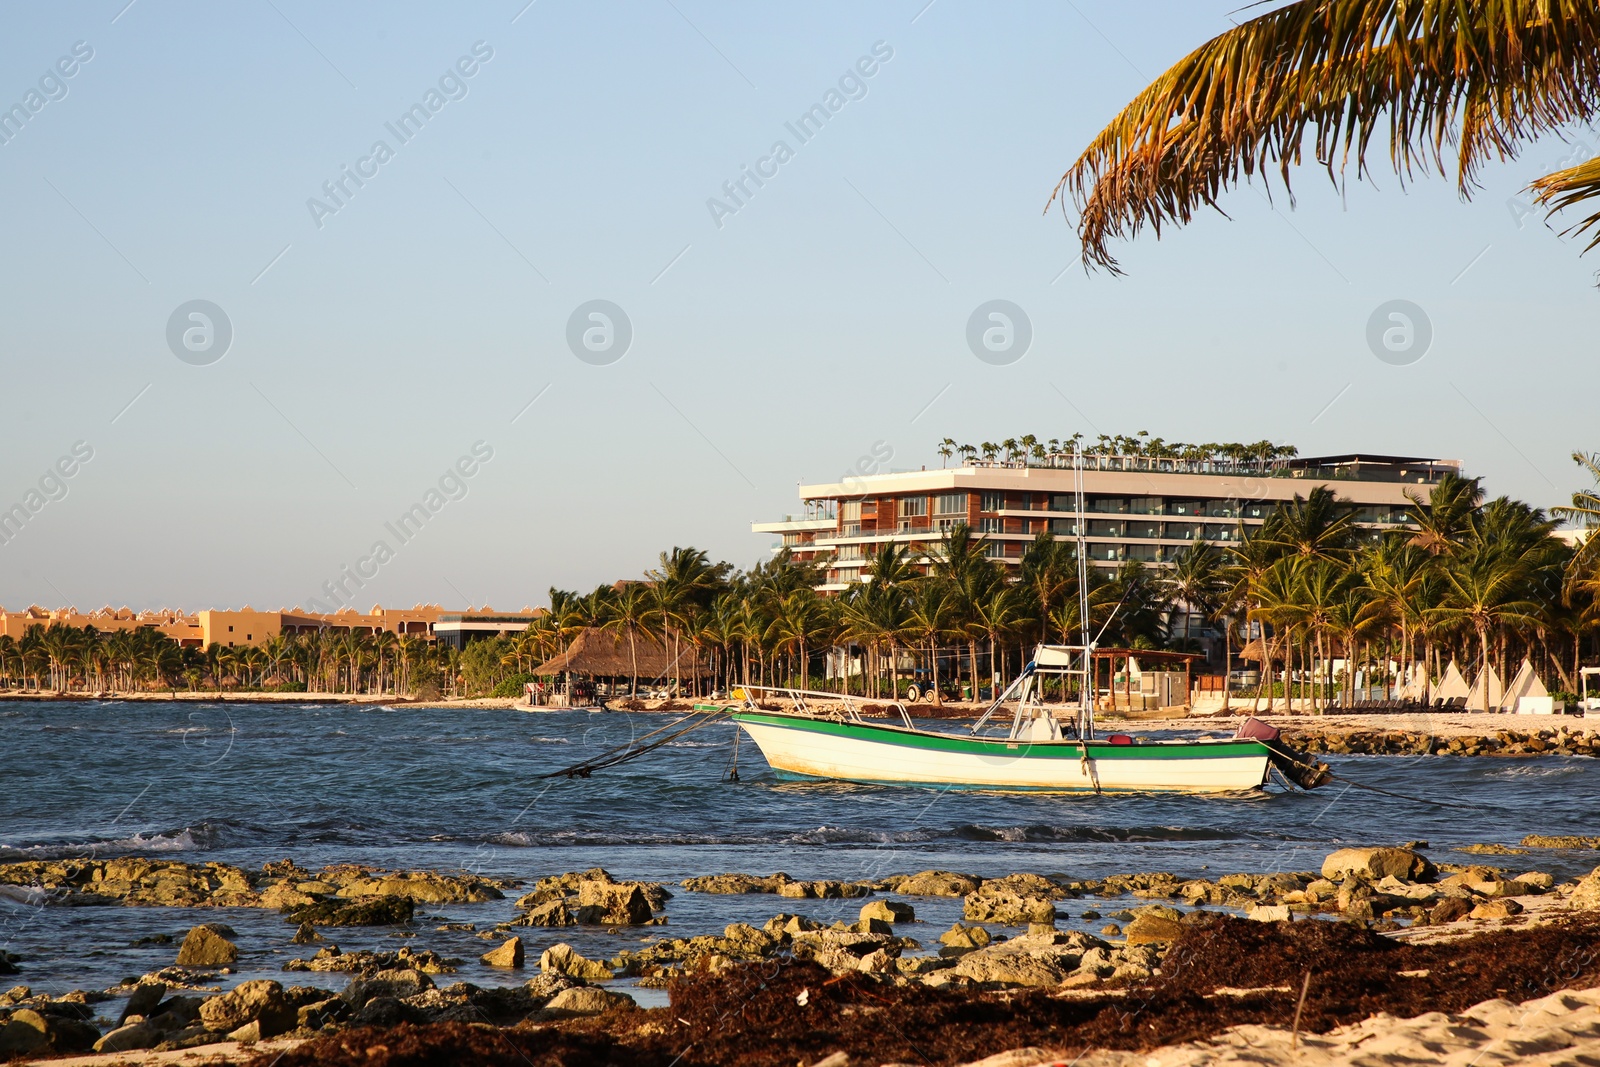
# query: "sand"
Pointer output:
{"type": "Point", "coordinates": [1560, 1029]}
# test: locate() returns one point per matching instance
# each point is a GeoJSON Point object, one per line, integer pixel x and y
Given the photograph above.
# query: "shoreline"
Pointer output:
{"type": "Point", "coordinates": [1374, 734]}
{"type": "Point", "coordinates": [1196, 959]}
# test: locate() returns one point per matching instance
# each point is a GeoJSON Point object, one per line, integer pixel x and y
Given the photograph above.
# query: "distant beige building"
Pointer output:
{"type": "Point", "coordinates": [247, 626]}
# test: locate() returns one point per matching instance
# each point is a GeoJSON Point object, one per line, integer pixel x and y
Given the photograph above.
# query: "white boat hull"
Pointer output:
{"type": "Point", "coordinates": [883, 754]}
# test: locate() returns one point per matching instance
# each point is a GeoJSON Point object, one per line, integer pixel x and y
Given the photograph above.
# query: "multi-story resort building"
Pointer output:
{"type": "Point", "coordinates": [1135, 507]}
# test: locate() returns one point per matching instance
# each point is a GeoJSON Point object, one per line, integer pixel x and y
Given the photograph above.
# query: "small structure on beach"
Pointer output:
{"type": "Point", "coordinates": [610, 655]}
{"type": "Point", "coordinates": [1453, 686]}
{"type": "Point", "coordinates": [1487, 691]}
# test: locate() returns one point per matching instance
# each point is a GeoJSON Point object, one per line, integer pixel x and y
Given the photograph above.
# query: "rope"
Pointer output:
{"type": "Point", "coordinates": [634, 749]}
{"type": "Point", "coordinates": [1375, 789]}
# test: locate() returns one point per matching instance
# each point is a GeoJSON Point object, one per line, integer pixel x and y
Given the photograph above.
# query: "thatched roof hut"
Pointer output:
{"type": "Point", "coordinates": [1253, 651]}
{"type": "Point", "coordinates": [597, 653]}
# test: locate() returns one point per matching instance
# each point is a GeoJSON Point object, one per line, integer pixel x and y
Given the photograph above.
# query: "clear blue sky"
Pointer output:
{"type": "Point", "coordinates": [576, 164]}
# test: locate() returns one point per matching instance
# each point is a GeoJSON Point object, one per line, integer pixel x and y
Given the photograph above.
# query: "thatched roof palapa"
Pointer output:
{"type": "Point", "coordinates": [608, 654]}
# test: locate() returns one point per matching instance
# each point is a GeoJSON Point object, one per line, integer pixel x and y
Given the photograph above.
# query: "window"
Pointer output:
{"type": "Point", "coordinates": [913, 505]}
{"type": "Point", "coordinates": [1216, 531]}
{"type": "Point", "coordinates": [1145, 505]}
{"type": "Point", "coordinates": [1105, 529]}
{"type": "Point", "coordinates": [991, 525]}
{"type": "Point", "coordinates": [1222, 509]}
{"type": "Point", "coordinates": [1145, 553]}
{"type": "Point", "coordinates": [949, 522]}
{"type": "Point", "coordinates": [950, 504]}
{"type": "Point", "coordinates": [230, 629]}
{"type": "Point", "coordinates": [850, 511]}
{"type": "Point", "coordinates": [1143, 528]}
{"type": "Point", "coordinates": [992, 502]}
{"type": "Point", "coordinates": [1187, 507]}
{"type": "Point", "coordinates": [1064, 502]}
{"type": "Point", "coordinates": [1183, 531]}
{"type": "Point", "coordinates": [1110, 505]}
{"type": "Point", "coordinates": [1063, 527]}
{"type": "Point", "coordinates": [1254, 509]}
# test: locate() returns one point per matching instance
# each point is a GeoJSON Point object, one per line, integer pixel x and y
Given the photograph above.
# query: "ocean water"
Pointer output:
{"type": "Point", "coordinates": [461, 789]}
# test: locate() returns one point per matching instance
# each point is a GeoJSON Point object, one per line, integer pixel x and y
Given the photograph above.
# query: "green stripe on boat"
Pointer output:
{"type": "Point", "coordinates": [1099, 750]}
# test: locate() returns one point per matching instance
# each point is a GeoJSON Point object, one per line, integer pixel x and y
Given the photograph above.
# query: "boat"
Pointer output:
{"type": "Point", "coordinates": [807, 734]}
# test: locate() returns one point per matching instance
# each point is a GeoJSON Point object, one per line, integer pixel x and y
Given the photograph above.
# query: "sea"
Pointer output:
{"type": "Point", "coordinates": [466, 789]}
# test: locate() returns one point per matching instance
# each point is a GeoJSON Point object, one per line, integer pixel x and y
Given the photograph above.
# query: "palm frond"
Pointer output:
{"type": "Point", "coordinates": [1469, 78]}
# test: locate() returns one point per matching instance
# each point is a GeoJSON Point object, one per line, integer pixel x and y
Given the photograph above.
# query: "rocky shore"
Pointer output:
{"type": "Point", "coordinates": [1193, 956]}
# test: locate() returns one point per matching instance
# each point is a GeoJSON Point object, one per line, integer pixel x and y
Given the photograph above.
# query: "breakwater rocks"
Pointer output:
{"type": "Point", "coordinates": [1007, 939]}
{"type": "Point", "coordinates": [345, 894]}
{"type": "Point", "coordinates": [1555, 741]}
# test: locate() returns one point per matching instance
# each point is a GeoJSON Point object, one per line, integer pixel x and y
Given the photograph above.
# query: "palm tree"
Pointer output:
{"type": "Point", "coordinates": [1316, 526]}
{"type": "Point", "coordinates": [1476, 75]}
{"type": "Point", "coordinates": [1195, 580]}
{"type": "Point", "coordinates": [630, 612]}
{"type": "Point", "coordinates": [1444, 519]}
{"type": "Point", "coordinates": [798, 620]}
{"type": "Point", "coordinates": [1483, 593]}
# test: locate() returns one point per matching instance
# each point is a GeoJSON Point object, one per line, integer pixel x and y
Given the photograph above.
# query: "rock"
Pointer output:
{"type": "Point", "coordinates": [995, 903]}
{"type": "Point", "coordinates": [1273, 913]}
{"type": "Point", "coordinates": [306, 935]}
{"type": "Point", "coordinates": [316, 1015]}
{"type": "Point", "coordinates": [208, 946]}
{"type": "Point", "coordinates": [27, 1031]}
{"type": "Point", "coordinates": [736, 883]}
{"type": "Point", "coordinates": [381, 1011]}
{"type": "Point", "coordinates": [68, 1034]}
{"type": "Point", "coordinates": [587, 1000]}
{"type": "Point", "coordinates": [1539, 880]}
{"type": "Point", "coordinates": [933, 884]}
{"type": "Point", "coordinates": [1111, 930]}
{"type": "Point", "coordinates": [1504, 908]}
{"type": "Point", "coordinates": [139, 1035]}
{"type": "Point", "coordinates": [427, 887]}
{"type": "Point", "coordinates": [1032, 960]}
{"type": "Point", "coordinates": [550, 913]}
{"type": "Point", "coordinates": [847, 950]}
{"type": "Point", "coordinates": [1153, 929]}
{"type": "Point", "coordinates": [394, 984]}
{"type": "Point", "coordinates": [1587, 892]}
{"type": "Point", "coordinates": [960, 936]}
{"type": "Point", "coordinates": [507, 955]}
{"type": "Point", "coordinates": [256, 1000]}
{"type": "Point", "coordinates": [378, 911]}
{"type": "Point", "coordinates": [890, 911]}
{"type": "Point", "coordinates": [564, 959]}
{"type": "Point", "coordinates": [1379, 863]}
{"type": "Point", "coordinates": [1448, 911]}
{"type": "Point", "coordinates": [143, 1001]}
{"type": "Point", "coordinates": [1559, 841]}
{"type": "Point", "coordinates": [621, 904]}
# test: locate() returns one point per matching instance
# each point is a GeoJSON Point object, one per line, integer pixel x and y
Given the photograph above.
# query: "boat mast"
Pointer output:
{"type": "Point", "coordinates": [1086, 681]}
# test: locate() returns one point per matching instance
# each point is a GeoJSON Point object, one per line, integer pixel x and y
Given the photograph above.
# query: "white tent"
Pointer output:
{"type": "Point", "coordinates": [1525, 684]}
{"type": "Point", "coordinates": [1416, 685]}
{"type": "Point", "coordinates": [1487, 691]}
{"type": "Point", "coordinates": [1452, 685]}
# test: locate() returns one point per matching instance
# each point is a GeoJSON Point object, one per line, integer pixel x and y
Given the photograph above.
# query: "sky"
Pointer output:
{"type": "Point", "coordinates": [380, 328]}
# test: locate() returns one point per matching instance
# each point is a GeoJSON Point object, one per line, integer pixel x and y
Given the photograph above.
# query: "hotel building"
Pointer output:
{"type": "Point", "coordinates": [1135, 507]}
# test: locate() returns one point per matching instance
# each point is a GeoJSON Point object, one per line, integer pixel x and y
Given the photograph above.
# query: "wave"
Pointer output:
{"type": "Point", "coordinates": [202, 837]}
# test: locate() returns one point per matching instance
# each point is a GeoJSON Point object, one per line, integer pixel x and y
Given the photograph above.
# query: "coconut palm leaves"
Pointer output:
{"type": "Point", "coordinates": [1472, 79]}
